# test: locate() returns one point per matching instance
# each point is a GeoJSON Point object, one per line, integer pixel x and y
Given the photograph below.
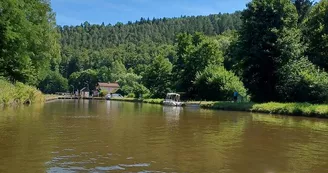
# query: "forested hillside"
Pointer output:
{"type": "Point", "coordinates": [155, 31]}
{"type": "Point", "coordinates": [130, 48]}
{"type": "Point", "coordinates": [274, 50]}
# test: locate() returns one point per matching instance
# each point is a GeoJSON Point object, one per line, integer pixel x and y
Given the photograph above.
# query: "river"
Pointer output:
{"type": "Point", "coordinates": [104, 136]}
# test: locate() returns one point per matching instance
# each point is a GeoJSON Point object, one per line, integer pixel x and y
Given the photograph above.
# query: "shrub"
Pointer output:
{"type": "Point", "coordinates": [131, 84]}
{"type": "Point", "coordinates": [54, 82]}
{"type": "Point", "coordinates": [103, 93]}
{"type": "Point", "coordinates": [13, 94]}
{"type": "Point", "coordinates": [301, 81]}
{"type": "Point", "coordinates": [216, 83]}
{"type": "Point", "coordinates": [131, 95]}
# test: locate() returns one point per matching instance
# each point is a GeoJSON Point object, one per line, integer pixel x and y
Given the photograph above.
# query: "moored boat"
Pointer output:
{"type": "Point", "coordinates": [172, 99]}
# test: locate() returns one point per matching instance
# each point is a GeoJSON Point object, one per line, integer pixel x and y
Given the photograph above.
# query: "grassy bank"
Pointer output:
{"type": "Point", "coordinates": [50, 97]}
{"type": "Point", "coordinates": [152, 101]}
{"type": "Point", "coordinates": [296, 109]}
{"type": "Point", "coordinates": [17, 94]}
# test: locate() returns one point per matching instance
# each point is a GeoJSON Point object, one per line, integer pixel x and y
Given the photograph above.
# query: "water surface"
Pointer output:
{"type": "Point", "coordinates": [104, 136]}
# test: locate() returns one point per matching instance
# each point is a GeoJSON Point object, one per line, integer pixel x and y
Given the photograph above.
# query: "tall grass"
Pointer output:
{"type": "Point", "coordinates": [297, 109]}
{"type": "Point", "coordinates": [18, 93]}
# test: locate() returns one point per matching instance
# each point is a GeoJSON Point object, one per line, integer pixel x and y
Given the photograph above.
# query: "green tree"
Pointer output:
{"type": "Point", "coordinates": [195, 53]}
{"type": "Point", "coordinates": [104, 74]}
{"type": "Point", "coordinates": [87, 78]}
{"type": "Point", "coordinates": [131, 84]}
{"type": "Point", "coordinates": [29, 42]}
{"type": "Point", "coordinates": [54, 82]}
{"type": "Point", "coordinates": [303, 8]}
{"type": "Point", "coordinates": [216, 83]}
{"type": "Point", "coordinates": [158, 77]}
{"type": "Point", "coordinates": [269, 38]}
{"type": "Point", "coordinates": [118, 70]}
{"type": "Point", "coordinates": [316, 34]}
{"type": "Point", "coordinates": [301, 81]}
{"type": "Point", "coordinates": [227, 41]}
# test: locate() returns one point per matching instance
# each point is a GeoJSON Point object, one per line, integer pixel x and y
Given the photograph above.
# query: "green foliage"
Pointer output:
{"type": "Point", "coordinates": [131, 95]}
{"type": "Point", "coordinates": [119, 70]}
{"type": "Point", "coordinates": [316, 34]}
{"type": "Point", "coordinates": [298, 109]}
{"type": "Point", "coordinates": [154, 101]}
{"type": "Point", "coordinates": [104, 74]}
{"type": "Point", "coordinates": [131, 83]}
{"type": "Point", "coordinates": [155, 31]}
{"type": "Point", "coordinates": [29, 42]}
{"type": "Point", "coordinates": [303, 8]}
{"type": "Point", "coordinates": [87, 78]}
{"type": "Point", "coordinates": [153, 57]}
{"type": "Point", "coordinates": [194, 54]}
{"type": "Point", "coordinates": [103, 93]}
{"type": "Point", "coordinates": [158, 77]}
{"type": "Point", "coordinates": [18, 93]}
{"type": "Point", "coordinates": [227, 45]}
{"type": "Point", "coordinates": [269, 38]}
{"type": "Point", "coordinates": [301, 81]}
{"type": "Point", "coordinates": [216, 83]}
{"type": "Point", "coordinates": [54, 82]}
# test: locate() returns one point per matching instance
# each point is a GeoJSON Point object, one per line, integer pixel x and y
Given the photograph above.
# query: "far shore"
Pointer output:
{"type": "Point", "coordinates": [293, 109]}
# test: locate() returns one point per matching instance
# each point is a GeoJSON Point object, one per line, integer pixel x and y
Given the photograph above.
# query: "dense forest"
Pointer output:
{"type": "Point", "coordinates": [274, 50]}
{"type": "Point", "coordinates": [155, 31]}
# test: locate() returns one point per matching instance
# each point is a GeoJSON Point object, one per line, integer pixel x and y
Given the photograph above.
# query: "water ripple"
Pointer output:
{"type": "Point", "coordinates": [110, 168]}
{"type": "Point", "coordinates": [135, 165]}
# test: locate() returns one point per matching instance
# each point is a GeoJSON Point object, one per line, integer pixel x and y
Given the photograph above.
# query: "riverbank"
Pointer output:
{"type": "Point", "coordinates": [294, 109]}
{"type": "Point", "coordinates": [51, 97]}
{"type": "Point", "coordinates": [151, 101]}
{"type": "Point", "coordinates": [18, 94]}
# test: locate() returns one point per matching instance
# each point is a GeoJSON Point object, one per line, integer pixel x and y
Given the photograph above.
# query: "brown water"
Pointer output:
{"type": "Point", "coordinates": [101, 136]}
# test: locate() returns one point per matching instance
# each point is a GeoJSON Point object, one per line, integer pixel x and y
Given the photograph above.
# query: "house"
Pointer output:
{"type": "Point", "coordinates": [109, 87]}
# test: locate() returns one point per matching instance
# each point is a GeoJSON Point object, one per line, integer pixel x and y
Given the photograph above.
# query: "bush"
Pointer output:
{"type": "Point", "coordinates": [131, 95]}
{"type": "Point", "coordinates": [216, 83]}
{"type": "Point", "coordinates": [131, 84]}
{"type": "Point", "coordinates": [13, 94]}
{"type": "Point", "coordinates": [153, 101]}
{"type": "Point", "coordinates": [87, 78]}
{"type": "Point", "coordinates": [146, 96]}
{"type": "Point", "coordinates": [54, 82]}
{"type": "Point", "coordinates": [103, 93]}
{"type": "Point", "coordinates": [301, 81]}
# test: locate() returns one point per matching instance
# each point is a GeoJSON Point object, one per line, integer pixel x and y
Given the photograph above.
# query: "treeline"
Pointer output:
{"type": "Point", "coordinates": [155, 31]}
{"type": "Point", "coordinates": [125, 52]}
{"type": "Point", "coordinates": [281, 51]}
{"type": "Point", "coordinates": [275, 50]}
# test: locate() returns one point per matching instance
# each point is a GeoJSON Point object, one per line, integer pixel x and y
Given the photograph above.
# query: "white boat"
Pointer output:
{"type": "Point", "coordinates": [172, 99]}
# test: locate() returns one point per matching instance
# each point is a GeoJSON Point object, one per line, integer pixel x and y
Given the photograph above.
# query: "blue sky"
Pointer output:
{"type": "Point", "coordinates": [75, 12]}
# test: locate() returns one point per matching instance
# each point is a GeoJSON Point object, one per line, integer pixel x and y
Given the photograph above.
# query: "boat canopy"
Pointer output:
{"type": "Point", "coordinates": [173, 94]}
{"type": "Point", "coordinates": [173, 97]}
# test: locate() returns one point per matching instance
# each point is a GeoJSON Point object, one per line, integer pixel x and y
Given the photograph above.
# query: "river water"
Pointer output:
{"type": "Point", "coordinates": [104, 136]}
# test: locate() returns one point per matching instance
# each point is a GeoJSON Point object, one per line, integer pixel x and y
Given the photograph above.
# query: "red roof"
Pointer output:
{"type": "Point", "coordinates": [109, 85]}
